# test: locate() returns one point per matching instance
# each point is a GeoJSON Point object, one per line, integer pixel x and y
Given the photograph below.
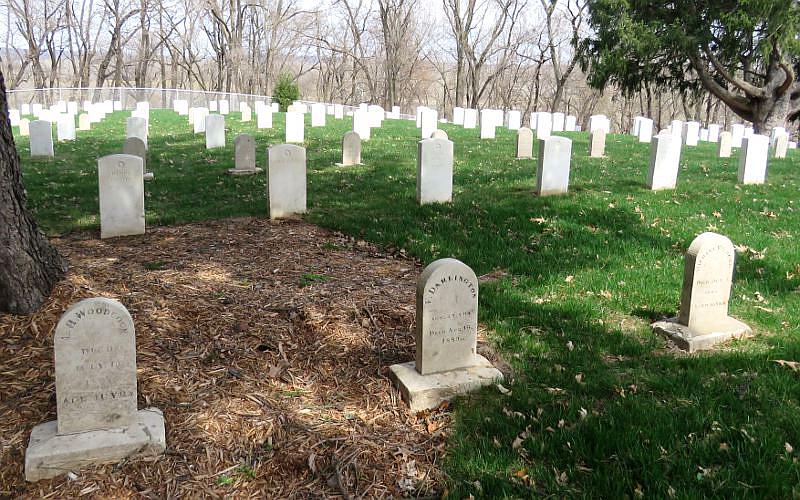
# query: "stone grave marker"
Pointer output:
{"type": "Point", "coordinates": [557, 122]}
{"type": "Point", "coordinates": [65, 127]}
{"type": "Point", "coordinates": [544, 125]}
{"type": "Point", "coordinates": [338, 111]}
{"type": "Point", "coordinates": [713, 132]}
{"type": "Point", "coordinates": [439, 134]}
{"type": "Point", "coordinates": [199, 120]}
{"type": "Point", "coordinates": [264, 118]}
{"type": "Point", "coordinates": [13, 117]}
{"type": "Point", "coordinates": [247, 113]}
{"type": "Point", "coordinates": [691, 133]}
{"type": "Point", "coordinates": [470, 118]}
{"type": "Point", "coordinates": [725, 142]}
{"type": "Point", "coordinates": [703, 319]}
{"type": "Point", "coordinates": [597, 143]}
{"type": "Point", "coordinates": [446, 332]}
{"type": "Point", "coordinates": [295, 126]}
{"type": "Point", "coordinates": [514, 119]}
{"type": "Point", "coordinates": [664, 162]}
{"type": "Point", "coordinates": [121, 185]}
{"type": "Point", "coordinates": [429, 120]}
{"type": "Point", "coordinates": [645, 132]}
{"type": "Point", "coordinates": [781, 145]}
{"type": "Point", "coordinates": [24, 127]}
{"type": "Point", "coordinates": [487, 124]}
{"type": "Point", "coordinates": [351, 150]}
{"type": "Point", "coordinates": [136, 127]}
{"type": "Point", "coordinates": [245, 156]}
{"type": "Point", "coordinates": [135, 147]}
{"type": "Point", "coordinates": [95, 370]}
{"type": "Point", "coordinates": [434, 171]}
{"type": "Point", "coordinates": [224, 107]}
{"type": "Point", "coordinates": [361, 124]}
{"type": "Point", "coordinates": [600, 121]}
{"type": "Point", "coordinates": [524, 143]}
{"type": "Point", "coordinates": [83, 122]}
{"type": "Point", "coordinates": [737, 135]}
{"type": "Point", "coordinates": [570, 123]}
{"type": "Point", "coordinates": [753, 159]}
{"type": "Point", "coordinates": [287, 180]}
{"type": "Point", "coordinates": [458, 116]}
{"type": "Point", "coordinates": [318, 115]}
{"type": "Point", "coordinates": [215, 131]}
{"type": "Point", "coordinates": [552, 173]}
{"type": "Point", "coordinates": [41, 141]}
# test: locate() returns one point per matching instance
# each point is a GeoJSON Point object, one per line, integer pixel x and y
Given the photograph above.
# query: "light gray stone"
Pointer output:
{"type": "Point", "coordinates": [664, 161]}
{"type": "Point", "coordinates": [544, 125]}
{"type": "Point", "coordinates": [600, 121]}
{"type": "Point", "coordinates": [691, 133]}
{"type": "Point", "coordinates": [41, 141]}
{"type": "Point", "coordinates": [737, 135]}
{"type": "Point", "coordinates": [199, 120]}
{"type": "Point", "coordinates": [338, 111]}
{"type": "Point", "coordinates": [245, 156]}
{"type": "Point", "coordinates": [558, 122]}
{"type": "Point", "coordinates": [725, 142]}
{"type": "Point", "coordinates": [136, 126]}
{"type": "Point", "coordinates": [65, 127]}
{"type": "Point", "coordinates": [753, 159]}
{"type": "Point", "coordinates": [434, 171]}
{"type": "Point", "coordinates": [703, 319]}
{"type": "Point", "coordinates": [429, 122]}
{"type": "Point", "coordinates": [318, 115]}
{"type": "Point", "coordinates": [645, 132]}
{"type": "Point", "coordinates": [597, 143]}
{"type": "Point", "coordinates": [514, 119]}
{"type": "Point", "coordinates": [287, 180]}
{"type": "Point", "coordinates": [247, 113]}
{"type": "Point", "coordinates": [121, 188]}
{"type": "Point", "coordinates": [781, 145]}
{"type": "Point", "coordinates": [569, 123]}
{"type": "Point", "coordinates": [713, 132]}
{"type": "Point", "coordinates": [24, 127]}
{"type": "Point", "coordinates": [351, 149]}
{"type": "Point", "coordinates": [458, 116]}
{"type": "Point", "coordinates": [524, 143]}
{"type": "Point", "coordinates": [95, 371]}
{"type": "Point", "coordinates": [264, 118]}
{"type": "Point", "coordinates": [295, 126]}
{"type": "Point", "coordinates": [470, 118]}
{"type": "Point", "coordinates": [134, 146]}
{"type": "Point", "coordinates": [439, 134]}
{"type": "Point", "coordinates": [552, 173]}
{"type": "Point", "coordinates": [83, 122]}
{"type": "Point", "coordinates": [224, 107]}
{"type": "Point", "coordinates": [215, 131]}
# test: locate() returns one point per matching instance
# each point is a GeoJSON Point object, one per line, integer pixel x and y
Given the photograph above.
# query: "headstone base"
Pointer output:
{"type": "Point", "coordinates": [348, 165]}
{"type": "Point", "coordinates": [236, 171]}
{"type": "Point", "coordinates": [49, 455]}
{"type": "Point", "coordinates": [423, 392]}
{"type": "Point", "coordinates": [689, 341]}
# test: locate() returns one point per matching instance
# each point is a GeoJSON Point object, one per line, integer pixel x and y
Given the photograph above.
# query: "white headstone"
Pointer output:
{"type": "Point", "coordinates": [318, 115]}
{"type": "Point", "coordinates": [295, 127]}
{"type": "Point", "coordinates": [41, 141]}
{"type": "Point", "coordinates": [264, 118]}
{"type": "Point", "coordinates": [65, 127]}
{"type": "Point", "coordinates": [224, 107]}
{"type": "Point", "coordinates": [781, 145]}
{"type": "Point", "coordinates": [458, 116]}
{"type": "Point", "coordinates": [361, 124]}
{"type": "Point", "coordinates": [287, 180]}
{"type": "Point", "coordinates": [552, 173]}
{"type": "Point", "coordinates": [753, 159]}
{"type": "Point", "coordinates": [557, 122]}
{"type": "Point", "coordinates": [351, 149]}
{"type": "Point", "coordinates": [121, 187]}
{"type": "Point", "coordinates": [691, 133]}
{"type": "Point", "coordinates": [429, 122]}
{"type": "Point", "coordinates": [664, 162]}
{"type": "Point", "coordinates": [14, 117]}
{"type": "Point", "coordinates": [83, 122]}
{"type": "Point", "coordinates": [514, 119]}
{"type": "Point", "coordinates": [524, 143]}
{"type": "Point", "coordinates": [544, 125]}
{"type": "Point", "coordinates": [487, 124]}
{"type": "Point", "coordinates": [24, 127]}
{"type": "Point", "coordinates": [470, 118]}
{"type": "Point", "coordinates": [713, 132]}
{"type": "Point", "coordinates": [725, 142]}
{"type": "Point", "coordinates": [215, 131]}
{"type": "Point", "coordinates": [136, 127]}
{"type": "Point", "coordinates": [246, 113]}
{"type": "Point", "coordinates": [434, 171]}
{"type": "Point", "coordinates": [645, 131]}
{"type": "Point", "coordinates": [597, 143]}
{"type": "Point", "coordinates": [600, 121]}
{"type": "Point", "coordinates": [199, 120]}
{"type": "Point", "coordinates": [737, 134]}
{"type": "Point", "coordinates": [338, 111]}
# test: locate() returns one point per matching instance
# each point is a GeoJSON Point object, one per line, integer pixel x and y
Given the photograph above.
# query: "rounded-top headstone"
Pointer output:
{"type": "Point", "coordinates": [95, 359]}
{"type": "Point", "coordinates": [351, 148]}
{"type": "Point", "coordinates": [447, 317]}
{"type": "Point", "coordinates": [707, 280]}
{"type": "Point", "coordinates": [439, 134]}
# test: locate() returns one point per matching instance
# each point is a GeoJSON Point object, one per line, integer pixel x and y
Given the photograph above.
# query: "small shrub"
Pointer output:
{"type": "Point", "coordinates": [286, 91]}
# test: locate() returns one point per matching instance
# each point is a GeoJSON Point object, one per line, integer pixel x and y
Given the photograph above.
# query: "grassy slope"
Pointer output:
{"type": "Point", "coordinates": [591, 268]}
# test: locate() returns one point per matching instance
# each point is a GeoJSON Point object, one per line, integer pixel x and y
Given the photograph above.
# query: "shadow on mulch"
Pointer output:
{"type": "Point", "coordinates": [265, 344]}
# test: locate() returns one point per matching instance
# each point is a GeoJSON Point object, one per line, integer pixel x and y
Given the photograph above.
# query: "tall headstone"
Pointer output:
{"type": "Point", "coordinates": [597, 143]}
{"type": "Point", "coordinates": [600, 121]}
{"type": "Point", "coordinates": [135, 147]}
{"type": "Point", "coordinates": [691, 133]}
{"type": "Point", "coordinates": [557, 122]}
{"type": "Point", "coordinates": [338, 111]}
{"type": "Point", "coordinates": [83, 122]}
{"type": "Point", "coordinates": [664, 162]}
{"type": "Point", "coordinates": [98, 420]}
{"type": "Point", "coordinates": [524, 143]}
{"type": "Point", "coordinates": [458, 116]}
{"type": "Point", "coordinates": [434, 171]}
{"type": "Point", "coordinates": [487, 124]}
{"type": "Point", "coordinates": [224, 107]}
{"type": "Point", "coordinates": [514, 119]}
{"type": "Point", "coordinates": [645, 132]}
{"type": "Point", "coordinates": [470, 118]}
{"type": "Point", "coordinates": [287, 180]}
{"type": "Point", "coordinates": [781, 145]}
{"type": "Point", "coordinates": [552, 173]}
{"type": "Point", "coordinates": [295, 127]}
{"type": "Point", "coordinates": [317, 115]}
{"type": "Point", "coordinates": [13, 117]}
{"type": "Point", "coordinates": [199, 120]}
{"type": "Point", "coordinates": [65, 127]}
{"type": "Point", "coordinates": [264, 118]}
{"type": "Point", "coordinates": [737, 134]}
{"type": "Point", "coordinates": [446, 362]}
{"type": "Point", "coordinates": [429, 119]}
{"type": "Point", "coordinates": [121, 185]}
{"type": "Point", "coordinates": [570, 123]}
{"type": "Point", "coordinates": [351, 149]}
{"type": "Point", "coordinates": [703, 319]}
{"type": "Point", "coordinates": [41, 141]}
{"type": "Point", "coordinates": [24, 127]}
{"type": "Point", "coordinates": [247, 113]}
{"type": "Point", "coordinates": [245, 156]}
{"type": "Point", "coordinates": [725, 142]}
{"type": "Point", "coordinates": [136, 127]}
{"type": "Point", "coordinates": [753, 159]}
{"type": "Point", "coordinates": [713, 132]}
{"type": "Point", "coordinates": [215, 131]}
{"type": "Point", "coordinates": [544, 125]}
{"type": "Point", "coordinates": [361, 124]}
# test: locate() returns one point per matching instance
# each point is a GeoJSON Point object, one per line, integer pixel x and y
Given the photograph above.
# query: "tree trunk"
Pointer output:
{"type": "Point", "coordinates": [29, 265]}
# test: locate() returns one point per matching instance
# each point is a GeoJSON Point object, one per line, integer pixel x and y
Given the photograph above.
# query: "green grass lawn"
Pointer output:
{"type": "Point", "coordinates": [616, 414]}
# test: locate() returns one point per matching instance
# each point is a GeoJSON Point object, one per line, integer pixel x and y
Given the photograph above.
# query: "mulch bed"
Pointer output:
{"type": "Point", "coordinates": [267, 347]}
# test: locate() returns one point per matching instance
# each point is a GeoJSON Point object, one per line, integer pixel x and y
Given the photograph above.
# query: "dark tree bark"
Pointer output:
{"type": "Point", "coordinates": [29, 264]}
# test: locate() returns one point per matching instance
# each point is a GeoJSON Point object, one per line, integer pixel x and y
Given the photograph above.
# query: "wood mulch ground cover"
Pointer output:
{"type": "Point", "coordinates": [267, 347]}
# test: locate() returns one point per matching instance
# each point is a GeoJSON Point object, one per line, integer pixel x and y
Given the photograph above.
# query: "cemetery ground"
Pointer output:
{"type": "Point", "coordinates": [267, 344]}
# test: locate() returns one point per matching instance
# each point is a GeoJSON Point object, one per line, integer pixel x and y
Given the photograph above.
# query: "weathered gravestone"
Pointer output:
{"type": "Point", "coordinates": [215, 131]}
{"type": "Point", "coordinates": [725, 143]}
{"type": "Point", "coordinates": [597, 143]}
{"type": "Point", "coordinates": [439, 134]}
{"type": "Point", "coordinates": [295, 126]}
{"type": "Point", "coordinates": [121, 186]}
{"type": "Point", "coordinates": [83, 122]}
{"type": "Point", "coordinates": [338, 111]}
{"type": "Point", "coordinates": [665, 158]}
{"type": "Point", "coordinates": [65, 127]}
{"type": "Point", "coordinates": [753, 159]}
{"type": "Point", "coordinates": [351, 150]}
{"type": "Point", "coordinates": [41, 141]}
{"type": "Point", "coordinates": [446, 332]}
{"type": "Point", "coordinates": [247, 113]}
{"type": "Point", "coordinates": [552, 173]}
{"type": "Point", "coordinates": [434, 171]}
{"type": "Point", "coordinates": [24, 127]}
{"type": "Point", "coordinates": [136, 126]}
{"type": "Point", "coordinates": [287, 180]}
{"type": "Point", "coordinates": [558, 121]}
{"type": "Point", "coordinates": [98, 421]}
{"type": "Point", "coordinates": [781, 145]}
{"type": "Point", "coordinates": [524, 143]}
{"type": "Point", "coordinates": [703, 320]}
{"type": "Point", "coordinates": [135, 147]}
{"type": "Point", "coordinates": [429, 120]}
{"type": "Point", "coordinates": [514, 119]}
{"type": "Point", "coordinates": [224, 107]}
{"type": "Point", "coordinates": [361, 124]}
{"type": "Point", "coordinates": [245, 155]}
{"type": "Point", "coordinates": [737, 134]}
{"type": "Point", "coordinates": [199, 120]}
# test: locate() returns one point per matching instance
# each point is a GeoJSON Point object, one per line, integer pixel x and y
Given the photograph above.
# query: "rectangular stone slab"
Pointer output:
{"type": "Point", "coordinates": [689, 341]}
{"type": "Point", "coordinates": [49, 454]}
{"type": "Point", "coordinates": [423, 392]}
